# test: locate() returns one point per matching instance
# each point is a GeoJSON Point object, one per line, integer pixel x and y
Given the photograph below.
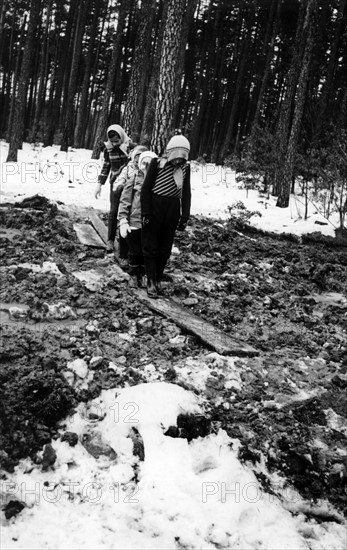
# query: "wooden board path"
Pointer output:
{"type": "Point", "coordinates": [182, 317]}
{"type": "Point", "coordinates": [207, 333]}
{"type": "Point", "coordinates": [87, 235]}
{"type": "Point", "coordinates": [99, 226]}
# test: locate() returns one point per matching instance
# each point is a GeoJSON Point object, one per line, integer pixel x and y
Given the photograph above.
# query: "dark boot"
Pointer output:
{"type": "Point", "coordinates": [133, 271]}
{"type": "Point", "coordinates": [150, 267]}
{"type": "Point", "coordinates": [140, 275]}
{"type": "Point", "coordinates": [137, 272]}
{"type": "Point", "coordinates": [161, 263]}
{"type": "Point", "coordinates": [109, 247]}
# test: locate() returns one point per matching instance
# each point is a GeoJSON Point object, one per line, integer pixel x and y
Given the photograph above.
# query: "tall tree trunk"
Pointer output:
{"type": "Point", "coordinates": [286, 107]}
{"type": "Point", "coordinates": [188, 18]}
{"type": "Point", "coordinates": [40, 96]}
{"type": "Point", "coordinates": [288, 169]}
{"type": "Point", "coordinates": [82, 113]}
{"type": "Point", "coordinates": [67, 136]}
{"type": "Point", "coordinates": [238, 85]}
{"type": "Point", "coordinates": [227, 95]}
{"type": "Point", "coordinates": [93, 99]}
{"type": "Point", "coordinates": [16, 141]}
{"type": "Point", "coordinates": [271, 33]}
{"type": "Point", "coordinates": [135, 95]}
{"type": "Point", "coordinates": [152, 91]}
{"type": "Point", "coordinates": [103, 119]}
{"type": "Point", "coordinates": [3, 8]}
{"type": "Point", "coordinates": [168, 63]}
{"type": "Point", "coordinates": [201, 85]}
{"type": "Point", "coordinates": [209, 101]}
{"type": "Point", "coordinates": [61, 69]}
{"type": "Point", "coordinates": [11, 88]}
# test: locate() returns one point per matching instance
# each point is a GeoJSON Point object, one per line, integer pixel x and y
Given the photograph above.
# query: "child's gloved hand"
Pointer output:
{"type": "Point", "coordinates": [182, 224]}
{"type": "Point", "coordinates": [146, 220]}
{"type": "Point", "coordinates": [124, 229]}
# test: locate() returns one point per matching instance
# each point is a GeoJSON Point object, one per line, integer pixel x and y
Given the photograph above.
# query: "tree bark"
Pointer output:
{"type": "Point", "coordinates": [168, 64]}
{"type": "Point", "coordinates": [270, 37]}
{"type": "Point", "coordinates": [135, 94]}
{"type": "Point", "coordinates": [83, 111]}
{"type": "Point", "coordinates": [60, 73]}
{"type": "Point", "coordinates": [154, 69]}
{"type": "Point", "coordinates": [16, 141]}
{"type": "Point", "coordinates": [40, 96]}
{"type": "Point", "coordinates": [67, 136]}
{"type": "Point", "coordinates": [286, 108]}
{"type": "Point", "coordinates": [188, 18]}
{"type": "Point", "coordinates": [3, 8]}
{"type": "Point", "coordinates": [243, 60]}
{"type": "Point", "coordinates": [308, 29]}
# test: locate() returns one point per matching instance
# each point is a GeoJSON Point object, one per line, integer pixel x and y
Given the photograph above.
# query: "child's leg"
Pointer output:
{"type": "Point", "coordinates": [167, 234]}
{"type": "Point", "coordinates": [135, 256]}
{"type": "Point", "coordinates": [112, 217]}
{"type": "Point", "coordinates": [150, 246]}
{"type": "Point", "coordinates": [123, 247]}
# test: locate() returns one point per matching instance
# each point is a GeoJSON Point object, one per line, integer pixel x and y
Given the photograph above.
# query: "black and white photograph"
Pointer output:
{"type": "Point", "coordinates": [173, 275]}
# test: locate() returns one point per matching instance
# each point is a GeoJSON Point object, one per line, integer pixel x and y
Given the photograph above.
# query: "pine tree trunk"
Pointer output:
{"type": "Point", "coordinates": [152, 91]}
{"type": "Point", "coordinates": [61, 68]}
{"type": "Point", "coordinates": [89, 123]}
{"type": "Point", "coordinates": [287, 106]}
{"type": "Point", "coordinates": [103, 119]}
{"type": "Point", "coordinates": [82, 114]}
{"type": "Point", "coordinates": [11, 88]}
{"type": "Point", "coordinates": [40, 96]}
{"type": "Point", "coordinates": [135, 94]}
{"type": "Point", "coordinates": [224, 150]}
{"type": "Point", "coordinates": [272, 32]}
{"type": "Point", "coordinates": [210, 97]}
{"type": "Point", "coordinates": [2, 18]}
{"type": "Point", "coordinates": [7, 80]}
{"type": "Point", "coordinates": [188, 18]}
{"type": "Point", "coordinates": [227, 96]}
{"type": "Point", "coordinates": [309, 28]}
{"type": "Point", "coordinates": [168, 63]}
{"type": "Point", "coordinates": [16, 141]}
{"type": "Point", "coordinates": [67, 136]}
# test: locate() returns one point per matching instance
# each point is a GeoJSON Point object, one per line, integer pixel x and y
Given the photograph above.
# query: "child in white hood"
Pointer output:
{"type": "Point", "coordinates": [116, 156]}
{"type": "Point", "coordinates": [129, 213]}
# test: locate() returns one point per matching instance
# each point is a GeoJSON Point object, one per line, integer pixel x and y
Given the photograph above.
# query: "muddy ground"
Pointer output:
{"type": "Point", "coordinates": [285, 296]}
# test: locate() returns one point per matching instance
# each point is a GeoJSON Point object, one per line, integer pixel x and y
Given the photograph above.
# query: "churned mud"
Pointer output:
{"type": "Point", "coordinates": [71, 327]}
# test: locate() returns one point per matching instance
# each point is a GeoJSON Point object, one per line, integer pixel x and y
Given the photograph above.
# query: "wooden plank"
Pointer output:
{"type": "Point", "coordinates": [87, 235]}
{"type": "Point", "coordinates": [99, 226]}
{"type": "Point", "coordinates": [182, 317]}
{"type": "Point", "coordinates": [207, 333]}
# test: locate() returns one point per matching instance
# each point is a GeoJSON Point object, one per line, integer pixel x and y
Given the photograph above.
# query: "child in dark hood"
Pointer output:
{"type": "Point", "coordinates": [165, 207]}
{"type": "Point", "coordinates": [116, 156]}
{"type": "Point", "coordinates": [129, 213]}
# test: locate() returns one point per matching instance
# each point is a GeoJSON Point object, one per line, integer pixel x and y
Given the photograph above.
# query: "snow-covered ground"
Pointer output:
{"type": "Point", "coordinates": [71, 178]}
{"type": "Point", "coordinates": [196, 495]}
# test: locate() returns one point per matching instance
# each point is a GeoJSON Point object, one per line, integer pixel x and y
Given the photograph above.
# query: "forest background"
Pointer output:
{"type": "Point", "coordinates": [256, 85]}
